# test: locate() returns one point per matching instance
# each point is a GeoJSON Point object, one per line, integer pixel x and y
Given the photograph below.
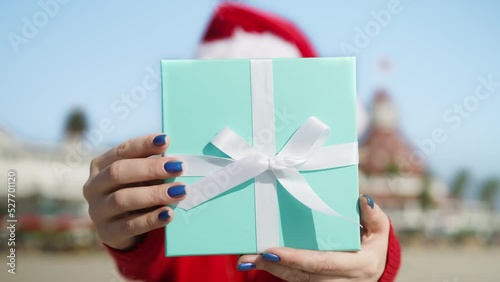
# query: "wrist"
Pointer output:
{"type": "Point", "coordinates": [128, 246]}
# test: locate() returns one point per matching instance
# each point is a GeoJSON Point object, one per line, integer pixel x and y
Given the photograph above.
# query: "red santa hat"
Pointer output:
{"type": "Point", "coordinates": [239, 31]}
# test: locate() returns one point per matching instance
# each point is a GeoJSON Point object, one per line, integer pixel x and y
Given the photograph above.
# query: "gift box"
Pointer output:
{"type": "Point", "coordinates": [269, 151]}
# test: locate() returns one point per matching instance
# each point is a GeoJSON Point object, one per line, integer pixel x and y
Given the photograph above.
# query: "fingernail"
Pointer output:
{"type": "Point", "coordinates": [159, 140]}
{"type": "Point", "coordinates": [164, 215]}
{"type": "Point", "coordinates": [245, 266]}
{"type": "Point", "coordinates": [177, 191]}
{"type": "Point", "coordinates": [271, 257]}
{"type": "Point", "coordinates": [370, 200]}
{"type": "Point", "coordinates": [173, 166]}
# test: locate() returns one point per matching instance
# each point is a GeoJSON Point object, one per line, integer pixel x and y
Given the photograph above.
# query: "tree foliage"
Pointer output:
{"type": "Point", "coordinates": [425, 197]}
{"type": "Point", "coordinates": [76, 123]}
{"type": "Point", "coordinates": [459, 184]}
{"type": "Point", "coordinates": [488, 191]}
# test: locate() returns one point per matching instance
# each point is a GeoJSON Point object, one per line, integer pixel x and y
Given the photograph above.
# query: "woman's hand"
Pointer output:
{"type": "Point", "coordinates": [126, 193]}
{"type": "Point", "coordinates": [304, 265]}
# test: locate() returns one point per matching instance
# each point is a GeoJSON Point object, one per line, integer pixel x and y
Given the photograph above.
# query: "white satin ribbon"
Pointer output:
{"type": "Point", "coordinates": [304, 151]}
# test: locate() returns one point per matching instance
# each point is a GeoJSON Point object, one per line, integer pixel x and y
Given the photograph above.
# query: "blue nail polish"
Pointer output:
{"type": "Point", "coordinates": [245, 266]}
{"type": "Point", "coordinates": [271, 257]}
{"type": "Point", "coordinates": [173, 166]}
{"type": "Point", "coordinates": [164, 215]}
{"type": "Point", "coordinates": [159, 140]}
{"type": "Point", "coordinates": [177, 191]}
{"type": "Point", "coordinates": [370, 200]}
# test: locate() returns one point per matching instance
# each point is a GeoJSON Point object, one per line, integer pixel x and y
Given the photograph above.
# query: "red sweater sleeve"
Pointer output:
{"type": "Point", "coordinates": [143, 262]}
{"type": "Point", "coordinates": [393, 258]}
{"type": "Point", "coordinates": [147, 262]}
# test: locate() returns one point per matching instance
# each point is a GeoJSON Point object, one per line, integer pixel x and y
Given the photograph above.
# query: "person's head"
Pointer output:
{"type": "Point", "coordinates": [239, 31]}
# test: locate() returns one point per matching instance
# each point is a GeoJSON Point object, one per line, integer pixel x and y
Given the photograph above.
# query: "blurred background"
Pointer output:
{"type": "Point", "coordinates": [428, 85]}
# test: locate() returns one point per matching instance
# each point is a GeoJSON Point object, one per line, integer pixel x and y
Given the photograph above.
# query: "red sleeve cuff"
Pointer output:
{"type": "Point", "coordinates": [134, 263]}
{"type": "Point", "coordinates": [393, 258]}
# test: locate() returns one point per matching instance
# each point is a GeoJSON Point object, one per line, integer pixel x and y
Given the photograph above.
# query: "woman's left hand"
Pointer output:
{"type": "Point", "coordinates": [305, 265]}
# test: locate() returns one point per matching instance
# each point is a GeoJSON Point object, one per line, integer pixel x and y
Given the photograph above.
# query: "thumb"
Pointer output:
{"type": "Point", "coordinates": [373, 219]}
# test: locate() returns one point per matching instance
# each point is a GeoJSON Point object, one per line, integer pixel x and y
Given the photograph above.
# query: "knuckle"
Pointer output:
{"type": "Point", "coordinates": [159, 195]}
{"type": "Point", "coordinates": [151, 196]}
{"type": "Point", "coordinates": [86, 191]}
{"type": "Point", "coordinates": [151, 221]}
{"type": "Point", "coordinates": [298, 276]}
{"type": "Point", "coordinates": [121, 150]}
{"type": "Point", "coordinates": [114, 172]}
{"type": "Point", "coordinates": [102, 235]}
{"type": "Point", "coordinates": [92, 214]}
{"type": "Point", "coordinates": [265, 266]}
{"type": "Point", "coordinates": [93, 165]}
{"type": "Point", "coordinates": [153, 168]}
{"type": "Point", "coordinates": [127, 227]}
{"type": "Point", "coordinates": [147, 142]}
{"type": "Point", "coordinates": [96, 215]}
{"type": "Point", "coordinates": [117, 201]}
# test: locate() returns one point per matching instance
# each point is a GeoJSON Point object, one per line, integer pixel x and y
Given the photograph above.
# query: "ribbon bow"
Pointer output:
{"type": "Point", "coordinates": [303, 152]}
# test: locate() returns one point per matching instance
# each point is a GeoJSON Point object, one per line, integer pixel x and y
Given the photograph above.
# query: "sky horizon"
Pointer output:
{"type": "Point", "coordinates": [91, 54]}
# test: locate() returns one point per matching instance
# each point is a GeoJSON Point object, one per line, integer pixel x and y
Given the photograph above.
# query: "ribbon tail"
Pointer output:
{"type": "Point", "coordinates": [297, 186]}
{"type": "Point", "coordinates": [222, 180]}
{"type": "Point", "coordinates": [333, 156]}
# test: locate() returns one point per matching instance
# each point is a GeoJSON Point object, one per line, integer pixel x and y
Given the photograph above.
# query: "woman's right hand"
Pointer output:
{"type": "Point", "coordinates": [126, 193]}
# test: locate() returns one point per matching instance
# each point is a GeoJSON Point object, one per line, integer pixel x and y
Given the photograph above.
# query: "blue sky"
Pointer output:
{"type": "Point", "coordinates": [90, 53]}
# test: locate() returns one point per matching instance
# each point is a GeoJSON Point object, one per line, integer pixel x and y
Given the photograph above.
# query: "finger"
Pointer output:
{"type": "Point", "coordinates": [373, 219]}
{"type": "Point", "coordinates": [375, 233]}
{"type": "Point", "coordinates": [343, 264]}
{"type": "Point", "coordinates": [120, 233]}
{"type": "Point", "coordinates": [141, 147]}
{"type": "Point", "coordinates": [248, 262]}
{"type": "Point", "coordinates": [135, 170]}
{"type": "Point", "coordinates": [137, 198]}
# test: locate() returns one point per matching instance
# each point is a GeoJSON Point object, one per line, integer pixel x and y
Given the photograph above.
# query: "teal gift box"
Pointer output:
{"type": "Point", "coordinates": [269, 151]}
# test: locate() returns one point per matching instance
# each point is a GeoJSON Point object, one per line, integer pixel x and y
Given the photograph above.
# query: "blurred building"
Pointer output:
{"type": "Point", "coordinates": [395, 174]}
{"type": "Point", "coordinates": [391, 169]}
{"type": "Point", "coordinates": [49, 179]}
{"type": "Point", "coordinates": [53, 170]}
